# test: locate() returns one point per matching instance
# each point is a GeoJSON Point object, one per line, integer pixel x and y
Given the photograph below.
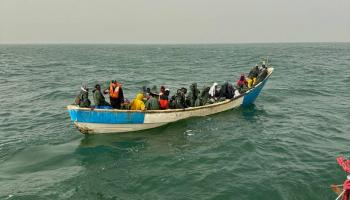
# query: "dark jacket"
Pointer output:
{"type": "Point", "coordinates": [99, 99]}
{"type": "Point", "coordinates": [116, 102]}
{"type": "Point", "coordinates": [254, 72]}
{"type": "Point", "coordinates": [227, 90]}
{"type": "Point", "coordinates": [82, 99]}
{"type": "Point", "coordinates": [262, 75]}
{"type": "Point", "coordinates": [204, 96]}
{"type": "Point", "coordinates": [179, 100]}
{"type": "Point", "coordinates": [192, 97]}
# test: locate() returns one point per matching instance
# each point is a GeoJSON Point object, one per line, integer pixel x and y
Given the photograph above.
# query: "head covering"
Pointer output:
{"type": "Point", "coordinates": [84, 88]}
{"type": "Point", "coordinates": [184, 90]}
{"type": "Point", "coordinates": [212, 89]}
{"type": "Point", "coordinates": [162, 89]}
{"type": "Point", "coordinates": [145, 89]}
{"type": "Point", "coordinates": [139, 96]}
{"type": "Point", "coordinates": [167, 91]}
{"type": "Point", "coordinates": [242, 77]}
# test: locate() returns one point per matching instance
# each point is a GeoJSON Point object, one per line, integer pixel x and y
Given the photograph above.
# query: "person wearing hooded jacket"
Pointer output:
{"type": "Point", "coordinates": [227, 91]}
{"type": "Point", "coordinates": [192, 97]}
{"type": "Point", "coordinates": [179, 100]}
{"type": "Point", "coordinates": [82, 98]}
{"type": "Point", "coordinates": [242, 84]}
{"type": "Point", "coordinates": [262, 75]}
{"type": "Point", "coordinates": [152, 102]}
{"type": "Point", "coordinates": [204, 96]}
{"type": "Point", "coordinates": [253, 74]}
{"type": "Point", "coordinates": [99, 99]}
{"type": "Point", "coordinates": [137, 103]}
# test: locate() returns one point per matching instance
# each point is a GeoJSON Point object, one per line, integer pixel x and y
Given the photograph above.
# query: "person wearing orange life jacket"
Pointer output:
{"type": "Point", "coordinates": [164, 99]}
{"type": "Point", "coordinates": [116, 94]}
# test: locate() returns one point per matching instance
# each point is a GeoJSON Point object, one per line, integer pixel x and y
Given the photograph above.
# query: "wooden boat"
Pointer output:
{"type": "Point", "coordinates": [93, 121]}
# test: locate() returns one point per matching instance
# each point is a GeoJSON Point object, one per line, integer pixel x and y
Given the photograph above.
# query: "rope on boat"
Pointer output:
{"type": "Point", "coordinates": [341, 194]}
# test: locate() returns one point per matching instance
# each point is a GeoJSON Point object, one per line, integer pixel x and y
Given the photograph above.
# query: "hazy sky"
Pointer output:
{"type": "Point", "coordinates": [174, 21]}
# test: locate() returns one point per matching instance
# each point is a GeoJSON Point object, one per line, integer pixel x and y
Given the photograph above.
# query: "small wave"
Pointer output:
{"type": "Point", "coordinates": [46, 65]}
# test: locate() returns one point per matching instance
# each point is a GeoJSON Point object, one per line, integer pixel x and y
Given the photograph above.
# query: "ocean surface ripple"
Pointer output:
{"type": "Point", "coordinates": [282, 147]}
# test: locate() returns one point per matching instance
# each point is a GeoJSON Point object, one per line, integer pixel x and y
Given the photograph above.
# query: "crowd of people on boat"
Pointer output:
{"type": "Point", "coordinates": [150, 99]}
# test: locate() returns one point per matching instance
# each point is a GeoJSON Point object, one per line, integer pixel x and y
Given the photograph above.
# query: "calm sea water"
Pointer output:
{"type": "Point", "coordinates": [283, 147]}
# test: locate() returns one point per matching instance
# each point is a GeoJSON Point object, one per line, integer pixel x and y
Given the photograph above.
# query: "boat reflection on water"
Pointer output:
{"type": "Point", "coordinates": [140, 139]}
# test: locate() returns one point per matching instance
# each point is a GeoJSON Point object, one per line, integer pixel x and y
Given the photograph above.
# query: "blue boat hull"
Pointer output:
{"type": "Point", "coordinates": [112, 120]}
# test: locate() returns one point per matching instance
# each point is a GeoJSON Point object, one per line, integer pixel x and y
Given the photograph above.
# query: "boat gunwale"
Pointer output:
{"type": "Point", "coordinates": [75, 107]}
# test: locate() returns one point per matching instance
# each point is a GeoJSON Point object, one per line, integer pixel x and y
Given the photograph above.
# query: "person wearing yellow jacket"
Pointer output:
{"type": "Point", "coordinates": [137, 103]}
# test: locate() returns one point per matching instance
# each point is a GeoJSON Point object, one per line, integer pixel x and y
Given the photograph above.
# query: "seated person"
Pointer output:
{"type": "Point", "coordinates": [242, 84]}
{"type": "Point", "coordinates": [82, 99]}
{"type": "Point", "coordinates": [152, 102]}
{"type": "Point", "coordinates": [164, 98]}
{"type": "Point", "coordinates": [137, 103]}
{"type": "Point", "coordinates": [252, 76]}
{"type": "Point", "coordinates": [262, 75]}
{"type": "Point", "coordinates": [172, 103]}
{"type": "Point", "coordinates": [204, 96]}
{"type": "Point", "coordinates": [227, 91]}
{"type": "Point", "coordinates": [179, 99]}
{"type": "Point", "coordinates": [192, 98]}
{"type": "Point", "coordinates": [99, 99]}
{"type": "Point", "coordinates": [213, 91]}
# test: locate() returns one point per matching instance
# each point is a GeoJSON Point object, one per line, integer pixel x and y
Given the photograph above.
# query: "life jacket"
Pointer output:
{"type": "Point", "coordinates": [346, 187]}
{"type": "Point", "coordinates": [163, 102]}
{"type": "Point", "coordinates": [344, 163]}
{"type": "Point", "coordinates": [114, 90]}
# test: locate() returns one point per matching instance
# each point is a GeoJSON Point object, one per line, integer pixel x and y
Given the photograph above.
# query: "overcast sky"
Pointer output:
{"type": "Point", "coordinates": [174, 21]}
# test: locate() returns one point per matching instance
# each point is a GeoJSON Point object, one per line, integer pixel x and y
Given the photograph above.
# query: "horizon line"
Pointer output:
{"type": "Point", "coordinates": [195, 43]}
